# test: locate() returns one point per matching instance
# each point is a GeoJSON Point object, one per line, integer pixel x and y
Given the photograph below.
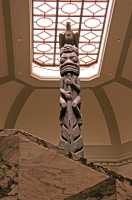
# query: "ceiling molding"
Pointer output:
{"type": "Point", "coordinates": [109, 115]}
{"type": "Point", "coordinates": [103, 84]}
{"type": "Point", "coordinates": [18, 104]}
{"type": "Point", "coordinates": [125, 49]}
{"type": "Point", "coordinates": [118, 154]}
{"type": "Point", "coordinates": [35, 87]}
{"type": "Point", "coordinates": [125, 82]}
{"type": "Point", "coordinates": [8, 38]}
{"type": "Point", "coordinates": [4, 80]}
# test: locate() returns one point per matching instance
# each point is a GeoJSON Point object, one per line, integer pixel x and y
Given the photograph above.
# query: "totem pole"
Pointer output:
{"type": "Point", "coordinates": [70, 117]}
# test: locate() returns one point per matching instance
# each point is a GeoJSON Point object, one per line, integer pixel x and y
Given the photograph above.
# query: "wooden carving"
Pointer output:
{"type": "Point", "coordinates": [68, 37]}
{"type": "Point", "coordinates": [70, 117]}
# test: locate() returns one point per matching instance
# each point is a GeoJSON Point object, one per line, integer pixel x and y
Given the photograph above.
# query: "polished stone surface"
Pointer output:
{"type": "Point", "coordinates": [124, 191]}
{"type": "Point", "coordinates": [33, 169]}
{"type": "Point", "coordinates": [105, 190]}
{"type": "Point", "coordinates": [9, 155]}
{"type": "Point", "coordinates": [46, 174]}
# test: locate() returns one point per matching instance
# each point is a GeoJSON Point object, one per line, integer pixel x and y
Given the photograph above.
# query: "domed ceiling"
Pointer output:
{"type": "Point", "coordinates": [31, 104]}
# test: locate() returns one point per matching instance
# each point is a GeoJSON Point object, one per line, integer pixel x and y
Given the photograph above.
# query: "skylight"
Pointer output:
{"type": "Point", "coordinates": [91, 18]}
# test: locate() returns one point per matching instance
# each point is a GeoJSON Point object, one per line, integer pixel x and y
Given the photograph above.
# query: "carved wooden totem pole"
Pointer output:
{"type": "Point", "coordinates": [70, 117]}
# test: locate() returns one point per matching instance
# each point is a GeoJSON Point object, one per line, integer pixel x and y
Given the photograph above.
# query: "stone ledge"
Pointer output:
{"type": "Point", "coordinates": [34, 169]}
{"type": "Point", "coordinates": [27, 161]}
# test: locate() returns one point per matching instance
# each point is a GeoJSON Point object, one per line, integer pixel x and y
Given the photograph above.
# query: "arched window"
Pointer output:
{"type": "Point", "coordinates": [91, 18]}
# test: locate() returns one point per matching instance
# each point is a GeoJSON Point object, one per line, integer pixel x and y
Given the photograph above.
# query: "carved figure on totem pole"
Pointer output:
{"type": "Point", "coordinates": [70, 117]}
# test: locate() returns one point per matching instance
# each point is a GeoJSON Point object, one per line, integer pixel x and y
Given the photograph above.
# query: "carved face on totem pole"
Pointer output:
{"type": "Point", "coordinates": [70, 116]}
{"type": "Point", "coordinates": [69, 61]}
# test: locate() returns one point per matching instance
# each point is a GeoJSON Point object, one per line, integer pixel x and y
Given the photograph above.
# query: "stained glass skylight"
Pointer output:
{"type": "Point", "coordinates": [88, 17]}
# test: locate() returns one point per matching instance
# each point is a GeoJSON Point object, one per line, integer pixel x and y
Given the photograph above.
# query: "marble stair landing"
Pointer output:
{"type": "Point", "coordinates": [31, 169]}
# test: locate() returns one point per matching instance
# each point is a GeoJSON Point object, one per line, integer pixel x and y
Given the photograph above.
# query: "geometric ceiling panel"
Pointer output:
{"type": "Point", "coordinates": [90, 18]}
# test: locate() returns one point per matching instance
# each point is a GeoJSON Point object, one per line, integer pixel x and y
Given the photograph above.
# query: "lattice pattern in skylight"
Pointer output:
{"type": "Point", "coordinates": [49, 19]}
